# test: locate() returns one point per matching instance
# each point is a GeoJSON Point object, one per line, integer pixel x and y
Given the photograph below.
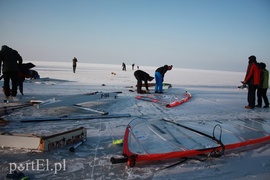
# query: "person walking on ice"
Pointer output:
{"type": "Point", "coordinates": [124, 67]}
{"type": "Point", "coordinates": [74, 64]}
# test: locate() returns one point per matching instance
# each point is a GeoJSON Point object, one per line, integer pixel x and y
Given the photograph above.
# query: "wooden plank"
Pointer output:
{"type": "Point", "coordinates": [19, 141]}
{"type": "Point", "coordinates": [45, 143]}
{"type": "Point", "coordinates": [59, 140]}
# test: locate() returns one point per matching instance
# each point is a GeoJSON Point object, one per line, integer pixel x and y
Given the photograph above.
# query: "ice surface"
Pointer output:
{"type": "Point", "coordinates": [214, 97]}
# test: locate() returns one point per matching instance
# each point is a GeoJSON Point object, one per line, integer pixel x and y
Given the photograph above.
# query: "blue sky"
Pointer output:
{"type": "Point", "coordinates": [200, 34]}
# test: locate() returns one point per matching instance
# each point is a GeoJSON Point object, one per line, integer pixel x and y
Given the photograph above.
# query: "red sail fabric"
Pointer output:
{"type": "Point", "coordinates": [177, 103]}
{"type": "Point", "coordinates": [139, 134]}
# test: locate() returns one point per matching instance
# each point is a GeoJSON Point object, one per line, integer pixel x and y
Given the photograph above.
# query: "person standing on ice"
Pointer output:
{"type": "Point", "coordinates": [142, 76]}
{"type": "Point", "coordinates": [74, 64]}
{"type": "Point", "coordinates": [262, 90]}
{"type": "Point", "coordinates": [159, 76]}
{"type": "Point", "coordinates": [124, 67]}
{"type": "Point", "coordinates": [11, 60]}
{"type": "Point", "coordinates": [252, 79]}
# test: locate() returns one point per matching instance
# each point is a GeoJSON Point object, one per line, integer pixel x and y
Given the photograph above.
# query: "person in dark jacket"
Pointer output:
{"type": "Point", "coordinates": [11, 61]}
{"type": "Point", "coordinates": [142, 76]}
{"type": "Point", "coordinates": [124, 67]}
{"type": "Point", "coordinates": [262, 90]}
{"type": "Point", "coordinates": [74, 64]}
{"type": "Point", "coordinates": [26, 72]}
{"type": "Point", "coordinates": [159, 76]}
{"type": "Point", "coordinates": [252, 79]}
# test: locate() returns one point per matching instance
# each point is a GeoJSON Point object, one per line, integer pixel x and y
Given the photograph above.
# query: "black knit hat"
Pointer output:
{"type": "Point", "coordinates": [263, 65]}
{"type": "Point", "coordinates": [252, 59]}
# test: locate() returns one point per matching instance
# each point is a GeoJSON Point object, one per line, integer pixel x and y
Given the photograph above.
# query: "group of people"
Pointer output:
{"type": "Point", "coordinates": [14, 71]}
{"type": "Point", "coordinates": [159, 77]}
{"type": "Point", "coordinates": [124, 68]}
{"type": "Point", "coordinates": [257, 79]}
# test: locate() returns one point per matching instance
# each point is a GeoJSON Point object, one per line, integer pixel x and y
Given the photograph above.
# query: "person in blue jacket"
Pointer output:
{"type": "Point", "coordinates": [159, 76]}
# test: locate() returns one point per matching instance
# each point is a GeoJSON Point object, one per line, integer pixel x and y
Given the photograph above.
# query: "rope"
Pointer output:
{"type": "Point", "coordinates": [215, 152]}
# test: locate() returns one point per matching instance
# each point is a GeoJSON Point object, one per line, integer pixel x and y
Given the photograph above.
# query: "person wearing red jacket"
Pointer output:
{"type": "Point", "coordinates": [252, 79]}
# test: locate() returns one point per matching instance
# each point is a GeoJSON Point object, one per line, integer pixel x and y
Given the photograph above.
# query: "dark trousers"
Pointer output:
{"type": "Point", "coordinates": [139, 82]}
{"type": "Point", "coordinates": [139, 86]}
{"type": "Point", "coordinates": [252, 95]}
{"type": "Point", "coordinates": [262, 94]}
{"type": "Point", "coordinates": [20, 84]}
{"type": "Point", "coordinates": [14, 77]}
{"type": "Point", "coordinates": [74, 69]}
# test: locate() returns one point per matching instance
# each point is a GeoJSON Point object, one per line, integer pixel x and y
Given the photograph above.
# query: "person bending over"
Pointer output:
{"type": "Point", "coordinates": [159, 76]}
{"type": "Point", "coordinates": [142, 76]}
